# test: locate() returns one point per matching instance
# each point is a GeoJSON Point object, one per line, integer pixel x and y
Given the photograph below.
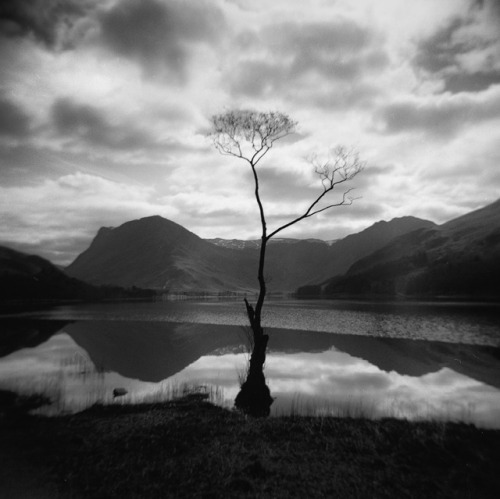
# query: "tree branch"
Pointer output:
{"type": "Point", "coordinates": [344, 167]}
{"type": "Point", "coordinates": [346, 201]}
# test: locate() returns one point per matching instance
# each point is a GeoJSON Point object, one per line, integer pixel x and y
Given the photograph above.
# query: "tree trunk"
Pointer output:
{"type": "Point", "coordinates": [254, 397]}
{"type": "Point", "coordinates": [258, 357]}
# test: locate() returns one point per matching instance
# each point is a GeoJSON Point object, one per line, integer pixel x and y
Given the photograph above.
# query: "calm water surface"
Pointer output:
{"type": "Point", "coordinates": [415, 360]}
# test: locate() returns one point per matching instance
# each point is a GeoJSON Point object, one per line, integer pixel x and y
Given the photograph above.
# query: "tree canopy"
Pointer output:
{"type": "Point", "coordinates": [249, 134]}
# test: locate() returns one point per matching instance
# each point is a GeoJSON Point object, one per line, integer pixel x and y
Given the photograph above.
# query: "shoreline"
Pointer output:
{"type": "Point", "coordinates": [191, 448]}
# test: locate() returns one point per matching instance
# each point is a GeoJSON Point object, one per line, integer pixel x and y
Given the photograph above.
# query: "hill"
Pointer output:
{"type": "Point", "coordinates": [25, 276]}
{"type": "Point", "coordinates": [157, 253]}
{"type": "Point", "coordinates": [30, 277]}
{"type": "Point", "coordinates": [458, 258]}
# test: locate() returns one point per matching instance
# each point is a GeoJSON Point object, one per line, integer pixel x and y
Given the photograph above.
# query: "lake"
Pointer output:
{"type": "Point", "coordinates": [410, 360]}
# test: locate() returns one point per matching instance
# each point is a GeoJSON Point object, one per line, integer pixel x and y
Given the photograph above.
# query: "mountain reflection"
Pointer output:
{"type": "Point", "coordinates": [17, 334]}
{"type": "Point", "coordinates": [155, 351]}
{"type": "Point", "coordinates": [149, 351]}
{"type": "Point", "coordinates": [303, 367]}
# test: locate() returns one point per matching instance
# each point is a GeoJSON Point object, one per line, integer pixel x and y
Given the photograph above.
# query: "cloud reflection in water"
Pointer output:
{"type": "Point", "coordinates": [308, 372]}
{"type": "Point", "coordinates": [338, 383]}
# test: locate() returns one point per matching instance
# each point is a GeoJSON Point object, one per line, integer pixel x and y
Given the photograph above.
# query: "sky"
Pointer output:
{"type": "Point", "coordinates": [105, 107]}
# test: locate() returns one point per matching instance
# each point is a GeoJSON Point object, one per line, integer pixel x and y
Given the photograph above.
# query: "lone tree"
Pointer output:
{"type": "Point", "coordinates": [250, 135]}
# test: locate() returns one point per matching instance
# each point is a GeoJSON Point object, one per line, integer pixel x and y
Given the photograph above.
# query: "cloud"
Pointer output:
{"type": "Point", "coordinates": [304, 60]}
{"type": "Point", "coordinates": [89, 124]}
{"type": "Point", "coordinates": [159, 35]}
{"type": "Point", "coordinates": [54, 215]}
{"type": "Point", "coordinates": [282, 190]}
{"type": "Point", "coordinates": [14, 121]}
{"type": "Point", "coordinates": [286, 185]}
{"type": "Point", "coordinates": [464, 53]}
{"type": "Point", "coordinates": [490, 8]}
{"type": "Point", "coordinates": [27, 163]}
{"type": "Point", "coordinates": [317, 38]}
{"type": "Point", "coordinates": [440, 116]}
{"type": "Point", "coordinates": [119, 90]}
{"type": "Point", "coordinates": [60, 252]}
{"type": "Point", "coordinates": [471, 82]}
{"type": "Point", "coordinates": [439, 51]}
{"type": "Point", "coordinates": [54, 23]}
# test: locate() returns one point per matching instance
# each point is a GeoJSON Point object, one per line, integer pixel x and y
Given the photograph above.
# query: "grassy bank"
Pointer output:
{"type": "Point", "coordinates": [189, 448]}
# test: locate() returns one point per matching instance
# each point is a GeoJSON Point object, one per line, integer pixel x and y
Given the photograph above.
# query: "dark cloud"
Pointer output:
{"type": "Point", "coordinates": [333, 223]}
{"type": "Point", "coordinates": [471, 82]}
{"type": "Point", "coordinates": [96, 150]}
{"type": "Point", "coordinates": [218, 217]}
{"type": "Point", "coordinates": [21, 162]}
{"type": "Point", "coordinates": [492, 8]}
{"type": "Point", "coordinates": [59, 251]}
{"type": "Point", "coordinates": [217, 222]}
{"type": "Point", "coordinates": [54, 249]}
{"type": "Point", "coordinates": [291, 53]}
{"type": "Point", "coordinates": [259, 78]}
{"type": "Point", "coordinates": [14, 122]}
{"type": "Point", "coordinates": [360, 94]}
{"type": "Point", "coordinates": [361, 209]}
{"type": "Point", "coordinates": [320, 37]}
{"type": "Point", "coordinates": [440, 50]}
{"type": "Point", "coordinates": [278, 184]}
{"type": "Point", "coordinates": [158, 34]}
{"type": "Point", "coordinates": [440, 56]}
{"type": "Point", "coordinates": [27, 163]}
{"type": "Point", "coordinates": [439, 117]}
{"type": "Point", "coordinates": [371, 177]}
{"type": "Point", "coordinates": [88, 124]}
{"type": "Point", "coordinates": [289, 186]}
{"type": "Point", "coordinates": [51, 22]}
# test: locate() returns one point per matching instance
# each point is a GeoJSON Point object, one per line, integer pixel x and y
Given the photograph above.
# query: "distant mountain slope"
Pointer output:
{"type": "Point", "coordinates": [255, 243]}
{"type": "Point", "coordinates": [30, 277]}
{"type": "Point", "coordinates": [350, 249]}
{"type": "Point", "coordinates": [235, 243]}
{"type": "Point", "coordinates": [157, 253]}
{"type": "Point", "coordinates": [460, 257]}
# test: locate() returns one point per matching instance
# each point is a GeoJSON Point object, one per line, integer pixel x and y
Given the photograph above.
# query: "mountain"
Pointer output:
{"type": "Point", "coordinates": [458, 258]}
{"type": "Point", "coordinates": [255, 243]}
{"type": "Point", "coordinates": [346, 251]}
{"type": "Point", "coordinates": [156, 253]}
{"type": "Point", "coordinates": [26, 333]}
{"type": "Point", "coordinates": [235, 243]}
{"type": "Point", "coordinates": [30, 277]}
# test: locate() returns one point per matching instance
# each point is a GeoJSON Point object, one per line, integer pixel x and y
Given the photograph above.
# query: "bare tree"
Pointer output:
{"type": "Point", "coordinates": [249, 136]}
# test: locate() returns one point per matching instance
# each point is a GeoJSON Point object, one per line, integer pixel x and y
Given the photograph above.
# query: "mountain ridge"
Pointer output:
{"type": "Point", "coordinates": [402, 257]}
{"type": "Point", "coordinates": [458, 258]}
{"type": "Point", "coordinates": [157, 253]}
{"type": "Point", "coordinates": [25, 277]}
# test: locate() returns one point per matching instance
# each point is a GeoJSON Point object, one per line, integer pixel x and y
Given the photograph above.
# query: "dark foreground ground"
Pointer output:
{"type": "Point", "coordinates": [189, 448]}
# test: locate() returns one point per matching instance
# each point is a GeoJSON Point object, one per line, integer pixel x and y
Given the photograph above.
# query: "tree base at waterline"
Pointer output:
{"type": "Point", "coordinates": [254, 397]}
